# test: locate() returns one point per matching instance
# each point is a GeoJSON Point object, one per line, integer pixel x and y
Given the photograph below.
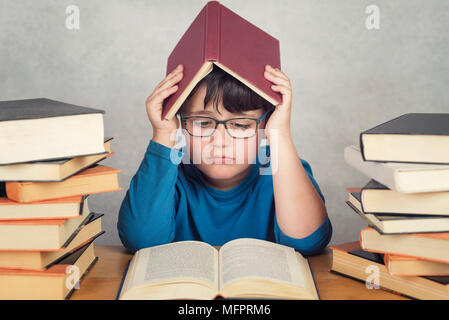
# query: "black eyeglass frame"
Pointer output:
{"type": "Point", "coordinates": [224, 122]}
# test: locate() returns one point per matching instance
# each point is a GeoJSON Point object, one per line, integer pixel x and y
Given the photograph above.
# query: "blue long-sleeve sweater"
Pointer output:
{"type": "Point", "coordinates": [170, 201]}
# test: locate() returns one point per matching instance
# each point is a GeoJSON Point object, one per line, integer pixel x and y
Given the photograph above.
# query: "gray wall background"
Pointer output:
{"type": "Point", "coordinates": [345, 78]}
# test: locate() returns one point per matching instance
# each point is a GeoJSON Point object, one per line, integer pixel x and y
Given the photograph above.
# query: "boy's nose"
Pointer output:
{"type": "Point", "coordinates": [221, 135]}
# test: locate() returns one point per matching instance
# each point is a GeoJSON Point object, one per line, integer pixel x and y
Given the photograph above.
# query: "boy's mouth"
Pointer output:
{"type": "Point", "coordinates": [221, 159]}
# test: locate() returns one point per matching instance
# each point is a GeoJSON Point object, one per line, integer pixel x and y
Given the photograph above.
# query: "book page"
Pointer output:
{"type": "Point", "coordinates": [253, 258]}
{"type": "Point", "coordinates": [177, 261]}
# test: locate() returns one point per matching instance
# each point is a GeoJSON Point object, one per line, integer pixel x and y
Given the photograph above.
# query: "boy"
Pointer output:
{"type": "Point", "coordinates": [222, 195]}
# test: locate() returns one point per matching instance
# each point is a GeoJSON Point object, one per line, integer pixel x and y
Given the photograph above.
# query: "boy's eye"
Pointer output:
{"type": "Point", "coordinates": [203, 123]}
{"type": "Point", "coordinates": [242, 124]}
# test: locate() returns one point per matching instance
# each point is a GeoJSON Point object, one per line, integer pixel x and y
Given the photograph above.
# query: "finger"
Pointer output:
{"type": "Point", "coordinates": [170, 76]}
{"type": "Point", "coordinates": [161, 95]}
{"type": "Point", "coordinates": [276, 71]}
{"type": "Point", "coordinates": [280, 73]}
{"type": "Point", "coordinates": [166, 79]}
{"type": "Point", "coordinates": [169, 83]}
{"type": "Point", "coordinates": [286, 96]}
{"type": "Point", "coordinates": [277, 80]}
{"type": "Point", "coordinates": [282, 89]}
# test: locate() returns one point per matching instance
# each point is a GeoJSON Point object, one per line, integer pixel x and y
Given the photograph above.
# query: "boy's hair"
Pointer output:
{"type": "Point", "coordinates": [236, 96]}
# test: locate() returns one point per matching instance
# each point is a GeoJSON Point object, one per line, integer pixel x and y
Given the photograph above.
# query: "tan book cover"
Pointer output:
{"type": "Point", "coordinates": [348, 259]}
{"type": "Point", "coordinates": [53, 170]}
{"type": "Point", "coordinates": [426, 246]}
{"type": "Point", "coordinates": [96, 179]}
{"type": "Point", "coordinates": [39, 235]}
{"type": "Point", "coordinates": [39, 260]}
{"type": "Point", "coordinates": [56, 282]}
{"type": "Point", "coordinates": [62, 208]}
{"type": "Point", "coordinates": [410, 266]}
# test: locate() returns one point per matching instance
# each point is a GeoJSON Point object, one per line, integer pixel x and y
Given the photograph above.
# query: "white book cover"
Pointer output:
{"type": "Point", "coordinates": [401, 177]}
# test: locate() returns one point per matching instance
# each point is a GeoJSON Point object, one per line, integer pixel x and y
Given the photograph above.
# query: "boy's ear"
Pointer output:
{"type": "Point", "coordinates": [270, 112]}
{"type": "Point", "coordinates": [181, 109]}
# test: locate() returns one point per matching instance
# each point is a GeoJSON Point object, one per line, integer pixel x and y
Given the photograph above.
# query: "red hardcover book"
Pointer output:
{"type": "Point", "coordinates": [220, 36]}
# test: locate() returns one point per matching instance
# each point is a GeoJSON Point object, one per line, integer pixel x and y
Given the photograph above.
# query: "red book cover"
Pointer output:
{"type": "Point", "coordinates": [220, 36]}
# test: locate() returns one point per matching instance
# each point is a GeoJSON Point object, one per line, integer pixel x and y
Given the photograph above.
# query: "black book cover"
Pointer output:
{"type": "Point", "coordinates": [122, 281]}
{"type": "Point", "coordinates": [90, 217]}
{"type": "Point", "coordinates": [2, 189]}
{"type": "Point", "coordinates": [414, 124]}
{"type": "Point", "coordinates": [371, 185]}
{"type": "Point", "coordinates": [72, 259]}
{"type": "Point", "coordinates": [357, 195]}
{"type": "Point", "coordinates": [392, 215]}
{"type": "Point", "coordinates": [371, 256]}
{"type": "Point", "coordinates": [40, 108]}
{"type": "Point", "coordinates": [65, 256]}
{"type": "Point", "coordinates": [410, 124]}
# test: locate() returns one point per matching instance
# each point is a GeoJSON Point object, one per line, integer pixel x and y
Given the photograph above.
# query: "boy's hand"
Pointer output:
{"type": "Point", "coordinates": [154, 103]}
{"type": "Point", "coordinates": [280, 118]}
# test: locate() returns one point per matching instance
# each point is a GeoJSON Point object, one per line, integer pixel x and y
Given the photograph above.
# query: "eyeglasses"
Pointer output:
{"type": "Point", "coordinates": [239, 128]}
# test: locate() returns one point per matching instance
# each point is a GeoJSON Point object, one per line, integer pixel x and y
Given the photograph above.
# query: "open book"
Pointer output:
{"type": "Point", "coordinates": [242, 268]}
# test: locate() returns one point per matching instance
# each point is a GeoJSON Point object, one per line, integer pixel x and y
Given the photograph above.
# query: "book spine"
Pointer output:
{"type": "Point", "coordinates": [362, 146]}
{"type": "Point", "coordinates": [387, 263]}
{"type": "Point", "coordinates": [117, 297]}
{"type": "Point", "coordinates": [13, 191]}
{"type": "Point", "coordinates": [373, 131]}
{"type": "Point", "coordinates": [377, 171]}
{"type": "Point", "coordinates": [212, 32]}
{"type": "Point", "coordinates": [80, 212]}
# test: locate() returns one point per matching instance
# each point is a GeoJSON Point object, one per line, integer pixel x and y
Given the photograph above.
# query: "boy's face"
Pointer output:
{"type": "Point", "coordinates": [207, 152]}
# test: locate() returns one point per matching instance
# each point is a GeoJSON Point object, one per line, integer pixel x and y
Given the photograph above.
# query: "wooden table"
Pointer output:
{"type": "Point", "coordinates": [103, 280]}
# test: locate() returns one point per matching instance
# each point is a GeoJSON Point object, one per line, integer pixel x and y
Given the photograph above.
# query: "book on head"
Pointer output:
{"type": "Point", "coordinates": [221, 37]}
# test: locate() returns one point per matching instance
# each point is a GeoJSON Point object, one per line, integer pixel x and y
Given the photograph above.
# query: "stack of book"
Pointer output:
{"type": "Point", "coordinates": [48, 166]}
{"type": "Point", "coordinates": [405, 204]}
